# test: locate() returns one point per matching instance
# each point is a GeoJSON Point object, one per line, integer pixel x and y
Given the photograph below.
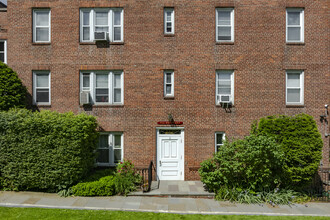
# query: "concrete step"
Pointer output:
{"type": "Point", "coordinates": [186, 189]}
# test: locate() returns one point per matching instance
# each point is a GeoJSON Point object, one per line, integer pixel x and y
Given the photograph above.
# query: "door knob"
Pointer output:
{"type": "Point", "coordinates": [160, 163]}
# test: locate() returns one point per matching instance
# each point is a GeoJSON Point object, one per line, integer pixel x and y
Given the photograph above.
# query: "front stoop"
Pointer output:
{"type": "Point", "coordinates": [187, 189]}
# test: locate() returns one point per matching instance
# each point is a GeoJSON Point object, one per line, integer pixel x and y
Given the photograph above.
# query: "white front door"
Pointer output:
{"type": "Point", "coordinates": [170, 155]}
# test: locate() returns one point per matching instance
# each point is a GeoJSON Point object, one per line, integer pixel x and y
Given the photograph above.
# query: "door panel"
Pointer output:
{"type": "Point", "coordinates": [170, 157]}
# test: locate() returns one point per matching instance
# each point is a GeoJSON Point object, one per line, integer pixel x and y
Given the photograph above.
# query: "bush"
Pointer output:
{"type": "Point", "coordinates": [105, 186]}
{"type": "Point", "coordinates": [255, 162]}
{"type": "Point", "coordinates": [127, 178]}
{"type": "Point", "coordinates": [301, 143]}
{"type": "Point", "coordinates": [273, 197]}
{"type": "Point", "coordinates": [12, 91]}
{"type": "Point", "coordinates": [45, 150]}
{"type": "Point", "coordinates": [123, 181]}
{"type": "Point", "coordinates": [98, 173]}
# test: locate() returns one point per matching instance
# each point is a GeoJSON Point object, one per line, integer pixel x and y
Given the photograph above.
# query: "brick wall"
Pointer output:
{"type": "Point", "coordinates": [259, 57]}
{"type": "Point", "coordinates": [3, 24]}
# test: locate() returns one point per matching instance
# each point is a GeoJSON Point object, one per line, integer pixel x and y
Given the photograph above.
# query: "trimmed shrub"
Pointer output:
{"type": "Point", "coordinates": [105, 186]}
{"type": "Point", "coordinates": [301, 143]}
{"type": "Point", "coordinates": [123, 181]}
{"type": "Point", "coordinates": [45, 150]}
{"type": "Point", "coordinates": [12, 91]}
{"type": "Point", "coordinates": [255, 162]}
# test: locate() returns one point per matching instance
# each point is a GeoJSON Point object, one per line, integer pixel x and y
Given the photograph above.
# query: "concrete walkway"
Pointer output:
{"type": "Point", "coordinates": [176, 189]}
{"type": "Point", "coordinates": [157, 204]}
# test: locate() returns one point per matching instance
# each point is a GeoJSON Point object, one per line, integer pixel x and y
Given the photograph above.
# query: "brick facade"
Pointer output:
{"type": "Point", "coordinates": [259, 57]}
{"type": "Point", "coordinates": [3, 22]}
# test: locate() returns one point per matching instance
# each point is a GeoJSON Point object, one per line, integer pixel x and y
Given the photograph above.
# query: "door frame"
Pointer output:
{"type": "Point", "coordinates": [183, 143]}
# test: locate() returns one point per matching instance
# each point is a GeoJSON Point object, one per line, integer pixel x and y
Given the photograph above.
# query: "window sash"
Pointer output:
{"type": "Point", "coordinates": [112, 149]}
{"type": "Point", "coordinates": [101, 26]}
{"type": "Point", "coordinates": [117, 87]}
{"type": "Point", "coordinates": [219, 26]}
{"type": "Point", "coordinates": [89, 26]}
{"type": "Point", "coordinates": [169, 23]}
{"type": "Point", "coordinates": [169, 84]}
{"type": "Point", "coordinates": [38, 27]}
{"type": "Point", "coordinates": [217, 145]}
{"type": "Point", "coordinates": [86, 75]}
{"type": "Point", "coordinates": [117, 26]}
{"type": "Point", "coordinates": [38, 89]}
{"type": "Point", "coordinates": [291, 88]}
{"type": "Point", "coordinates": [290, 26]}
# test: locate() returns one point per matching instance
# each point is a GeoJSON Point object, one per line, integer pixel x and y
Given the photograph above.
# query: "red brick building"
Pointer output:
{"type": "Point", "coordinates": [171, 60]}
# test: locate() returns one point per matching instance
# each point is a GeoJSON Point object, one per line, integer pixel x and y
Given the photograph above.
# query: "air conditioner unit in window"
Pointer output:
{"type": "Point", "coordinates": [84, 97]}
{"type": "Point", "coordinates": [224, 99]}
{"type": "Point", "coordinates": [101, 36]}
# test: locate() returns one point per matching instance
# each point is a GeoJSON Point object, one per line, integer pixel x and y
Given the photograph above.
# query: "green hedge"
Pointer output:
{"type": "Point", "coordinates": [45, 150]}
{"type": "Point", "coordinates": [102, 187]}
{"type": "Point", "coordinates": [301, 143]}
{"type": "Point", "coordinates": [109, 182]}
{"type": "Point", "coordinates": [12, 91]}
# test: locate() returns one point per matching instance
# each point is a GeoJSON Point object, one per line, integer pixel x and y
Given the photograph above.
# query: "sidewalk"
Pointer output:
{"type": "Point", "coordinates": [192, 189]}
{"type": "Point", "coordinates": [157, 204]}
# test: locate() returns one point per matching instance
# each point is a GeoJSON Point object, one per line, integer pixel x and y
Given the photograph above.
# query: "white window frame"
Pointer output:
{"type": "Point", "coordinates": [35, 26]}
{"type": "Point", "coordinates": [165, 20]}
{"type": "Point", "coordinates": [111, 24]}
{"type": "Point", "coordinates": [232, 24]}
{"type": "Point", "coordinates": [92, 86]}
{"type": "Point", "coordinates": [111, 141]}
{"type": "Point", "coordinates": [232, 83]}
{"type": "Point", "coordinates": [112, 37]}
{"type": "Point", "coordinates": [301, 26]}
{"type": "Point", "coordinates": [91, 24]}
{"type": "Point", "coordinates": [4, 50]}
{"type": "Point", "coordinates": [172, 83]}
{"type": "Point", "coordinates": [35, 73]}
{"type": "Point", "coordinates": [301, 87]}
{"type": "Point", "coordinates": [215, 139]}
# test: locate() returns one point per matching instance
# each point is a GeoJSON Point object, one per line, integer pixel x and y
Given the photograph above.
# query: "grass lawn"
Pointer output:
{"type": "Point", "coordinates": [66, 214]}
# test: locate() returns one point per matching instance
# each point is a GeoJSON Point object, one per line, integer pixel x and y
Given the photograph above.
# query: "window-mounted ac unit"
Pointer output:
{"type": "Point", "coordinates": [101, 36]}
{"type": "Point", "coordinates": [224, 99]}
{"type": "Point", "coordinates": [84, 97]}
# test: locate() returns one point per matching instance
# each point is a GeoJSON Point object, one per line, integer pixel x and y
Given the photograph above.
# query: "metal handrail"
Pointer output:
{"type": "Point", "coordinates": [147, 177]}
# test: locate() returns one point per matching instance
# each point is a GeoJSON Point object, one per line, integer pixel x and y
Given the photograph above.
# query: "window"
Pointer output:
{"type": "Point", "coordinates": [168, 83]}
{"type": "Point", "coordinates": [110, 149]}
{"type": "Point", "coordinates": [101, 20]}
{"type": "Point", "coordinates": [41, 87]}
{"type": "Point", "coordinates": [41, 25]}
{"type": "Point", "coordinates": [3, 51]}
{"type": "Point", "coordinates": [225, 86]}
{"type": "Point", "coordinates": [169, 20]}
{"type": "Point", "coordinates": [225, 24]}
{"type": "Point", "coordinates": [104, 87]}
{"type": "Point", "coordinates": [219, 139]}
{"type": "Point", "coordinates": [294, 25]}
{"type": "Point", "coordinates": [294, 87]}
